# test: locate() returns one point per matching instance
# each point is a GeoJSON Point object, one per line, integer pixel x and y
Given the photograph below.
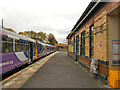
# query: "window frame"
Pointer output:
{"type": "Point", "coordinates": [91, 42]}
{"type": "Point", "coordinates": [83, 44]}
{"type": "Point", "coordinates": [9, 42]}
{"type": "Point", "coordinates": [18, 44]}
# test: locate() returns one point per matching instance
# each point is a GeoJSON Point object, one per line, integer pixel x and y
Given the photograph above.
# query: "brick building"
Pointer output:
{"type": "Point", "coordinates": [61, 47]}
{"type": "Point", "coordinates": [95, 36]}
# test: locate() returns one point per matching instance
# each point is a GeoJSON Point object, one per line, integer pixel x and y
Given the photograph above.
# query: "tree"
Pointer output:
{"type": "Point", "coordinates": [41, 36]}
{"type": "Point", "coordinates": [52, 39]}
{"type": "Point", "coordinates": [10, 29]}
{"type": "Point", "coordinates": [26, 33]}
{"type": "Point", "coordinates": [21, 33]}
{"type": "Point", "coordinates": [32, 34]}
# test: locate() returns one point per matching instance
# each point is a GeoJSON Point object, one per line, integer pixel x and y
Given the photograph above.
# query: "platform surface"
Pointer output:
{"type": "Point", "coordinates": [61, 72]}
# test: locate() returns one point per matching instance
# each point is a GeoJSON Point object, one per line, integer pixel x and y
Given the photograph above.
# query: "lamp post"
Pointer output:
{"type": "Point", "coordinates": [2, 23]}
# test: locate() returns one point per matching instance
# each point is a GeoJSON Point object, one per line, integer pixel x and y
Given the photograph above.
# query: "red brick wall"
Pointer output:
{"type": "Point", "coordinates": [84, 60]}
{"type": "Point", "coordinates": [111, 6]}
{"type": "Point", "coordinates": [72, 54]}
{"type": "Point", "coordinates": [103, 69]}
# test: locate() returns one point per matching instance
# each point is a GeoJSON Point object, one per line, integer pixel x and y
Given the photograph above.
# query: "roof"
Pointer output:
{"type": "Point", "coordinates": [18, 36]}
{"type": "Point", "coordinates": [15, 35]}
{"type": "Point", "coordinates": [90, 10]}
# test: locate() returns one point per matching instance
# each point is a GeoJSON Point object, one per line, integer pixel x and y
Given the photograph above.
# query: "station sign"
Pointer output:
{"type": "Point", "coordinates": [115, 52]}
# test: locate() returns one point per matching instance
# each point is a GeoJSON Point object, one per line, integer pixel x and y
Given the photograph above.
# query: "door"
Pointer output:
{"type": "Point", "coordinates": [77, 48]}
{"type": "Point", "coordinates": [31, 51]}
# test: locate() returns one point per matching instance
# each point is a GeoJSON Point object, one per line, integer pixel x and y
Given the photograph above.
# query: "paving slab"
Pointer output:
{"type": "Point", "coordinates": [61, 71]}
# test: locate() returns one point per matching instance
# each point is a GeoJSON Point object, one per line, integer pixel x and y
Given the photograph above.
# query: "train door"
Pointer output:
{"type": "Point", "coordinates": [31, 51]}
{"type": "Point", "coordinates": [45, 49]}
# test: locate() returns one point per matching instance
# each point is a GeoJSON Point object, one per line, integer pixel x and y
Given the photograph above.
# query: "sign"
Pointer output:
{"type": "Point", "coordinates": [115, 52]}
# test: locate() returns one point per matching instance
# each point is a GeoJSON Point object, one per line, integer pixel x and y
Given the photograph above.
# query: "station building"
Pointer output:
{"type": "Point", "coordinates": [61, 47]}
{"type": "Point", "coordinates": [96, 36]}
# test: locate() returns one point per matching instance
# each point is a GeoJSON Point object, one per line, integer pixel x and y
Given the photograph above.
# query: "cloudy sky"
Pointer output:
{"type": "Point", "coordinates": [50, 16]}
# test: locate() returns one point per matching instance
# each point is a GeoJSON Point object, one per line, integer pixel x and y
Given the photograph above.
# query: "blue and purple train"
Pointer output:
{"type": "Point", "coordinates": [17, 50]}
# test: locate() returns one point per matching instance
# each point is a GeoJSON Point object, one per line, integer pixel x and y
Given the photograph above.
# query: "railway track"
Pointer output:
{"type": "Point", "coordinates": [19, 78]}
{"type": "Point", "coordinates": [10, 73]}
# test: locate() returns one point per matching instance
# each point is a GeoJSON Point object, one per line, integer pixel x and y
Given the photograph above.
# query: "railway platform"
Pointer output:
{"type": "Point", "coordinates": [56, 71]}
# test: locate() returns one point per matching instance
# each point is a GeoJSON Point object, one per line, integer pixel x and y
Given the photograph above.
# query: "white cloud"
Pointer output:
{"type": "Point", "coordinates": [50, 16]}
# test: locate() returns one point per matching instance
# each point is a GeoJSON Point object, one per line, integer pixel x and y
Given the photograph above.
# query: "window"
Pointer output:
{"type": "Point", "coordinates": [74, 45]}
{"type": "Point", "coordinates": [92, 41]}
{"type": "Point", "coordinates": [68, 42]}
{"type": "Point", "coordinates": [18, 45]}
{"type": "Point", "coordinates": [43, 48]}
{"type": "Point", "coordinates": [25, 46]}
{"type": "Point", "coordinates": [7, 45]}
{"type": "Point", "coordinates": [77, 44]}
{"type": "Point", "coordinates": [40, 48]}
{"type": "Point", "coordinates": [34, 47]}
{"type": "Point", "coordinates": [83, 43]}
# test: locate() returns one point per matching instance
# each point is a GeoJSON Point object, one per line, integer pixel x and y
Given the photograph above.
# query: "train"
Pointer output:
{"type": "Point", "coordinates": [17, 50]}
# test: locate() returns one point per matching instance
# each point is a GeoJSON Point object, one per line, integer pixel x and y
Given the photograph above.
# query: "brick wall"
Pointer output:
{"type": "Point", "coordinates": [103, 69]}
{"type": "Point", "coordinates": [85, 61]}
{"type": "Point", "coordinates": [100, 38]}
{"type": "Point", "coordinates": [72, 55]}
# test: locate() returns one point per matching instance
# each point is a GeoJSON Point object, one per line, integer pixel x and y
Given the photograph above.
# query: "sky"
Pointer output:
{"type": "Point", "coordinates": [50, 16]}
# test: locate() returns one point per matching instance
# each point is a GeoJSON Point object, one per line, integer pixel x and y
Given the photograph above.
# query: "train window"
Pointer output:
{"type": "Point", "coordinates": [4, 47]}
{"type": "Point", "coordinates": [18, 45]}
{"type": "Point", "coordinates": [7, 45]}
{"type": "Point", "coordinates": [9, 40]}
{"type": "Point", "coordinates": [43, 49]}
{"type": "Point", "coordinates": [48, 47]}
{"type": "Point", "coordinates": [40, 48]}
{"type": "Point", "coordinates": [34, 46]}
{"type": "Point", "coordinates": [25, 46]}
{"type": "Point", "coordinates": [10, 47]}
{"type": "Point", "coordinates": [4, 38]}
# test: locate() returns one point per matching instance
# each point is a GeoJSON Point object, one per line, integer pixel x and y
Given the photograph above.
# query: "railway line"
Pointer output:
{"type": "Point", "coordinates": [19, 51]}
{"type": "Point", "coordinates": [12, 72]}
{"type": "Point", "coordinates": [17, 79]}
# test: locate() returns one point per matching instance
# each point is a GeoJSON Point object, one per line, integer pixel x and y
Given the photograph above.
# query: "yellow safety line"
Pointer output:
{"type": "Point", "coordinates": [51, 55]}
{"type": "Point", "coordinates": [21, 71]}
{"type": "Point", "coordinates": [92, 76]}
{"type": "Point", "coordinates": [86, 71]}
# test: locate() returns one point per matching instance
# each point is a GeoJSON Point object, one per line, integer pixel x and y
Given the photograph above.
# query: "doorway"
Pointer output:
{"type": "Point", "coordinates": [77, 48]}
{"type": "Point", "coordinates": [31, 51]}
